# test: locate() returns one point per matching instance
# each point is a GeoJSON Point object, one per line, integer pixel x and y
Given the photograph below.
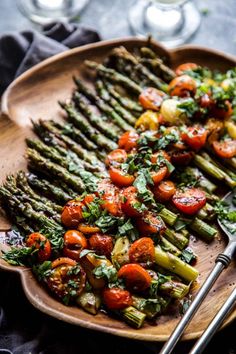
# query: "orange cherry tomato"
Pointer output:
{"type": "Point", "coordinates": [88, 229]}
{"type": "Point", "coordinates": [128, 140]}
{"type": "Point", "coordinates": [181, 158]}
{"type": "Point", "coordinates": [110, 197]}
{"type": "Point", "coordinates": [63, 261]}
{"type": "Point", "coordinates": [130, 202]}
{"type": "Point", "coordinates": [222, 113]}
{"type": "Point", "coordinates": [117, 298]}
{"type": "Point", "coordinates": [41, 243]}
{"type": "Point", "coordinates": [182, 86]}
{"type": "Point", "coordinates": [151, 98]}
{"type": "Point", "coordinates": [180, 70]}
{"type": "Point", "coordinates": [72, 213]}
{"type": "Point", "coordinates": [164, 191]}
{"type": "Point", "coordinates": [119, 178]}
{"type": "Point", "coordinates": [158, 176]}
{"type": "Point", "coordinates": [225, 149]}
{"type": "Point", "coordinates": [116, 157]}
{"type": "Point", "coordinates": [74, 243]}
{"type": "Point", "coordinates": [142, 250]}
{"type": "Point", "coordinates": [150, 224]}
{"type": "Point", "coordinates": [101, 244]}
{"type": "Point", "coordinates": [136, 277]}
{"type": "Point", "coordinates": [89, 198]}
{"type": "Point", "coordinates": [189, 201]}
{"type": "Point", "coordinates": [195, 137]}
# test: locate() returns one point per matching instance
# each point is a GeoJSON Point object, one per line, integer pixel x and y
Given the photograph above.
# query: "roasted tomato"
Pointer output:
{"type": "Point", "coordinates": [222, 112]}
{"type": "Point", "coordinates": [136, 277]}
{"type": "Point", "coordinates": [66, 279]}
{"type": "Point", "coordinates": [89, 198]}
{"type": "Point", "coordinates": [116, 157]}
{"type": "Point", "coordinates": [189, 201]}
{"type": "Point", "coordinates": [182, 86]}
{"type": "Point", "coordinates": [150, 224]}
{"type": "Point", "coordinates": [164, 191]}
{"type": "Point", "coordinates": [110, 197]}
{"type": "Point", "coordinates": [120, 178]}
{"type": "Point", "coordinates": [40, 242]}
{"type": "Point", "coordinates": [159, 175]}
{"type": "Point", "coordinates": [195, 137]}
{"type": "Point", "coordinates": [206, 101]}
{"type": "Point", "coordinates": [181, 69]}
{"type": "Point", "coordinates": [117, 298]}
{"type": "Point", "coordinates": [151, 98]}
{"type": "Point", "coordinates": [101, 244]}
{"type": "Point", "coordinates": [74, 243]}
{"type": "Point", "coordinates": [181, 158]}
{"type": "Point", "coordinates": [159, 154]}
{"type": "Point", "coordinates": [72, 213]}
{"type": "Point", "coordinates": [88, 229]}
{"type": "Point", "coordinates": [142, 251]}
{"type": "Point", "coordinates": [225, 149]}
{"type": "Point", "coordinates": [130, 203]}
{"type": "Point", "coordinates": [128, 140]}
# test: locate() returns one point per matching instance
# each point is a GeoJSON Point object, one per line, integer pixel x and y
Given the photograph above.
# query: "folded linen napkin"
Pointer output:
{"type": "Point", "coordinates": [21, 51]}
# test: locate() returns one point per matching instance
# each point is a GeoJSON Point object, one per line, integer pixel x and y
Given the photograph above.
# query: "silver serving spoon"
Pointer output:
{"type": "Point", "coordinates": [222, 261]}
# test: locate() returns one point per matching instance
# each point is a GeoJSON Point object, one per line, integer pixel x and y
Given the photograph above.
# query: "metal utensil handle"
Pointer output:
{"type": "Point", "coordinates": [222, 261]}
{"type": "Point", "coordinates": [215, 324]}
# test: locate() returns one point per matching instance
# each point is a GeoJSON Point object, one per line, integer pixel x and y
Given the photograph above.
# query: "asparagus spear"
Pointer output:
{"type": "Point", "coordinates": [107, 128]}
{"type": "Point", "coordinates": [83, 124]}
{"type": "Point", "coordinates": [105, 95]}
{"type": "Point", "coordinates": [168, 246]}
{"type": "Point", "coordinates": [45, 166]}
{"type": "Point", "coordinates": [193, 174]}
{"type": "Point", "coordinates": [219, 165]}
{"type": "Point", "coordinates": [176, 238]}
{"type": "Point", "coordinates": [114, 76]}
{"type": "Point", "coordinates": [102, 105]}
{"type": "Point", "coordinates": [174, 289]}
{"type": "Point", "coordinates": [133, 317]}
{"type": "Point", "coordinates": [203, 229]}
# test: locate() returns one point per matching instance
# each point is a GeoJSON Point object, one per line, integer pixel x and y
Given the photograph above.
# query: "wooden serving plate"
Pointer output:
{"type": "Point", "coordinates": [34, 95]}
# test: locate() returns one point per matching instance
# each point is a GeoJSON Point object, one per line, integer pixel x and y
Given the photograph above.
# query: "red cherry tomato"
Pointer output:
{"type": "Point", "coordinates": [72, 213]}
{"type": "Point", "coordinates": [151, 98]}
{"type": "Point", "coordinates": [181, 158]}
{"type": "Point", "coordinates": [41, 243]}
{"type": "Point", "coordinates": [130, 202]}
{"type": "Point", "coordinates": [161, 153]}
{"type": "Point", "coordinates": [222, 113]}
{"type": "Point", "coordinates": [225, 149]}
{"type": "Point", "coordinates": [110, 197]}
{"type": "Point", "coordinates": [117, 298]}
{"type": "Point", "coordinates": [180, 70]}
{"type": "Point", "coordinates": [189, 201]}
{"type": "Point", "coordinates": [182, 86]}
{"type": "Point", "coordinates": [101, 244]}
{"type": "Point", "coordinates": [116, 157]}
{"type": "Point", "coordinates": [164, 191]}
{"type": "Point", "coordinates": [158, 176]}
{"type": "Point", "coordinates": [142, 250]}
{"type": "Point", "coordinates": [128, 140]}
{"type": "Point", "coordinates": [195, 137]}
{"type": "Point", "coordinates": [136, 277]}
{"type": "Point", "coordinates": [150, 224]}
{"type": "Point", "coordinates": [74, 243]}
{"type": "Point", "coordinates": [119, 178]}
{"type": "Point", "coordinates": [63, 261]}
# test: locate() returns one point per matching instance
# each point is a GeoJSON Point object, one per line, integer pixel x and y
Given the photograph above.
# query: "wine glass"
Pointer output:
{"type": "Point", "coordinates": [45, 11]}
{"type": "Point", "coordinates": [171, 22]}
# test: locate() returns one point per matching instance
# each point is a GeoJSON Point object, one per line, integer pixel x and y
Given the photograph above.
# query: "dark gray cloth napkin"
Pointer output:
{"type": "Point", "coordinates": [21, 51]}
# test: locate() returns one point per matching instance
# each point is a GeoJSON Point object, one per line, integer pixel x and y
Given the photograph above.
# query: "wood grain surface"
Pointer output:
{"type": "Point", "coordinates": [34, 95]}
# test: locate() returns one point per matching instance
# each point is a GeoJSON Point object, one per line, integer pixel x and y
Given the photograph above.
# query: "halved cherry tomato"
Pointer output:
{"type": "Point", "coordinates": [180, 70]}
{"type": "Point", "coordinates": [66, 279]}
{"type": "Point", "coordinates": [150, 224]}
{"type": "Point", "coordinates": [116, 157]}
{"type": "Point", "coordinates": [222, 113]}
{"type": "Point", "coordinates": [110, 197]}
{"type": "Point", "coordinates": [136, 277]}
{"type": "Point", "coordinates": [195, 137]}
{"type": "Point", "coordinates": [225, 149]}
{"type": "Point", "coordinates": [101, 244]}
{"type": "Point", "coordinates": [130, 202]}
{"type": "Point", "coordinates": [88, 229]}
{"type": "Point", "coordinates": [72, 213]}
{"type": "Point", "coordinates": [41, 243]}
{"type": "Point", "coordinates": [74, 243]}
{"type": "Point", "coordinates": [181, 158]}
{"type": "Point", "coordinates": [128, 140]}
{"type": "Point", "coordinates": [89, 198]}
{"type": "Point", "coordinates": [119, 178]}
{"type": "Point", "coordinates": [164, 191]}
{"type": "Point", "coordinates": [182, 86]}
{"type": "Point", "coordinates": [117, 298]}
{"type": "Point", "coordinates": [142, 250]}
{"type": "Point", "coordinates": [189, 201]}
{"type": "Point", "coordinates": [158, 176]}
{"type": "Point", "coordinates": [162, 153]}
{"type": "Point", "coordinates": [151, 98]}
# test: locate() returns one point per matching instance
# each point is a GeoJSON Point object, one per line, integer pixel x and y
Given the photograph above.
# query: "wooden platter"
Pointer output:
{"type": "Point", "coordinates": [34, 95]}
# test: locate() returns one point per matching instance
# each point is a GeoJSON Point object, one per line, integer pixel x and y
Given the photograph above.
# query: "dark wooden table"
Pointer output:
{"type": "Point", "coordinates": [23, 329]}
